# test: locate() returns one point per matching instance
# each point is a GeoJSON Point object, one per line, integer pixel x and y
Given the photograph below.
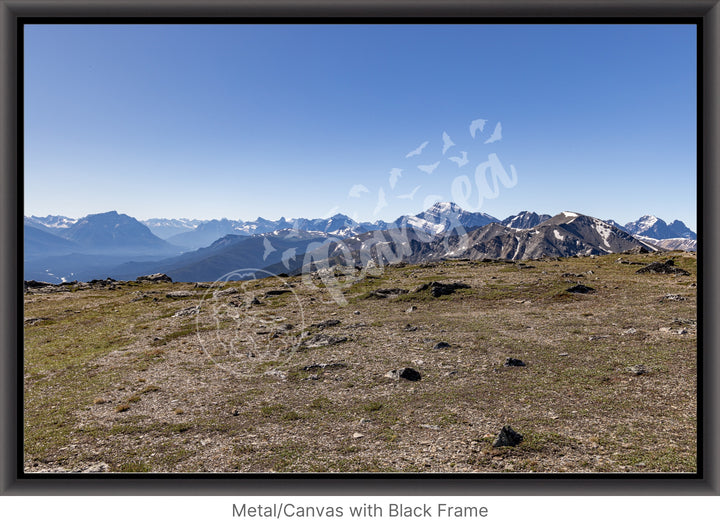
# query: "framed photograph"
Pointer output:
{"type": "Point", "coordinates": [297, 244]}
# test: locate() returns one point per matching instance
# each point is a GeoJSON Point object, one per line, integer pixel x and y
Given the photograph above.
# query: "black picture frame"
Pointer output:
{"type": "Point", "coordinates": [13, 14]}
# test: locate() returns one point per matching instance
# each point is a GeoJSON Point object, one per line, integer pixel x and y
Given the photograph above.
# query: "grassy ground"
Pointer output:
{"type": "Point", "coordinates": [112, 377]}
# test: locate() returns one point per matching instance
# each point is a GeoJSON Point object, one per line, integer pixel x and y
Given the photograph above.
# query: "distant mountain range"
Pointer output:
{"type": "Point", "coordinates": [111, 244]}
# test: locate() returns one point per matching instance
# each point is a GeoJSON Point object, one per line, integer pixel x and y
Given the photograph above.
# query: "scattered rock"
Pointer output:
{"type": "Point", "coordinates": [357, 435]}
{"type": "Point", "coordinates": [438, 289]}
{"type": "Point", "coordinates": [638, 369]}
{"type": "Point", "coordinates": [100, 467]}
{"type": "Point", "coordinates": [409, 374]}
{"type": "Point", "coordinates": [631, 330]}
{"type": "Point", "coordinates": [255, 301]}
{"type": "Point", "coordinates": [190, 311]}
{"type": "Point", "coordinates": [663, 267]}
{"type": "Point", "coordinates": [331, 365]}
{"type": "Point", "coordinates": [393, 374]}
{"type": "Point", "coordinates": [572, 275]}
{"type": "Point", "coordinates": [282, 375]}
{"type": "Point", "coordinates": [178, 294]}
{"type": "Point", "coordinates": [109, 282]}
{"type": "Point", "coordinates": [690, 322]}
{"type": "Point", "coordinates": [357, 312]}
{"type": "Point", "coordinates": [155, 278]}
{"type": "Point", "coordinates": [580, 289]}
{"type": "Point", "coordinates": [413, 308]}
{"type": "Point", "coordinates": [513, 362]}
{"type": "Point", "coordinates": [33, 321]}
{"type": "Point", "coordinates": [35, 284]}
{"type": "Point", "coordinates": [226, 292]}
{"type": "Point", "coordinates": [563, 354]}
{"type": "Point", "coordinates": [507, 438]}
{"type": "Point", "coordinates": [442, 345]}
{"type": "Point", "coordinates": [327, 323]}
{"type": "Point", "coordinates": [672, 297]}
{"type": "Point", "coordinates": [321, 340]}
{"type": "Point", "coordinates": [383, 293]}
{"type": "Point", "coordinates": [410, 328]}
{"type": "Point", "coordinates": [277, 292]}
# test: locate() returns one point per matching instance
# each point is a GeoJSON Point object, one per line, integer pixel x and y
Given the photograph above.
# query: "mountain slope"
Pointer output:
{"type": "Point", "coordinates": [443, 217]}
{"type": "Point", "coordinates": [524, 220]}
{"type": "Point", "coordinates": [114, 233]}
{"type": "Point", "coordinates": [567, 234]}
{"type": "Point", "coordinates": [38, 242]}
{"type": "Point", "coordinates": [167, 227]}
{"type": "Point", "coordinates": [227, 254]}
{"type": "Point", "coordinates": [654, 227]}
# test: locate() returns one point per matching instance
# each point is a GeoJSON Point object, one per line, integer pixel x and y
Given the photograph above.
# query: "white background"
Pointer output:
{"type": "Point", "coordinates": [108, 514]}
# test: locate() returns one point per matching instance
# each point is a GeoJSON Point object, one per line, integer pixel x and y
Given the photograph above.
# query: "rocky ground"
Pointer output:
{"type": "Point", "coordinates": [286, 374]}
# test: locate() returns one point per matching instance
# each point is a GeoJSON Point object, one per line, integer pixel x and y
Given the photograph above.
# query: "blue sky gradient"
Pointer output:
{"type": "Point", "coordinates": [212, 121]}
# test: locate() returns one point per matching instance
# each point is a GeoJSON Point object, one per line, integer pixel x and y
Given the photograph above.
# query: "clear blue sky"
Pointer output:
{"type": "Point", "coordinates": [303, 121]}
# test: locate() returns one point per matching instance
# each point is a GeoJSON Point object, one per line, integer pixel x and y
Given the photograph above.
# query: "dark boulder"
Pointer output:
{"type": "Point", "coordinates": [438, 289]}
{"type": "Point", "coordinates": [580, 289]}
{"type": "Point", "coordinates": [663, 267]}
{"type": "Point", "coordinates": [410, 374]}
{"type": "Point", "coordinates": [382, 293]}
{"type": "Point", "coordinates": [277, 292]}
{"type": "Point", "coordinates": [507, 438]}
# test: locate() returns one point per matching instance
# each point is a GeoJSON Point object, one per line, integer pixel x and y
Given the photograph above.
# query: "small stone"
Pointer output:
{"type": "Point", "coordinates": [357, 435]}
{"type": "Point", "coordinates": [513, 362]}
{"type": "Point", "coordinates": [672, 297]}
{"type": "Point", "coordinates": [357, 312]}
{"type": "Point", "coordinates": [563, 354]}
{"type": "Point", "coordinates": [413, 308]}
{"type": "Point", "coordinates": [393, 374]}
{"type": "Point", "coordinates": [638, 369]}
